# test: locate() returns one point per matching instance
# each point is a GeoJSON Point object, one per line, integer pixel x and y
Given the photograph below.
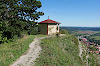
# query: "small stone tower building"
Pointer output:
{"type": "Point", "coordinates": [48, 27]}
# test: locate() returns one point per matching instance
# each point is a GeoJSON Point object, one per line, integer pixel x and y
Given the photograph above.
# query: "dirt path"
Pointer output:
{"type": "Point", "coordinates": [33, 53]}
{"type": "Point", "coordinates": [80, 49]}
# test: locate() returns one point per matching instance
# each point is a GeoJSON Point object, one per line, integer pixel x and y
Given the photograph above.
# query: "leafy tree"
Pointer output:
{"type": "Point", "coordinates": [15, 16]}
{"type": "Point", "coordinates": [11, 9]}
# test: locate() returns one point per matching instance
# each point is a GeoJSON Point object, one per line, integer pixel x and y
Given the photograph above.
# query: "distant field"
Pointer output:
{"type": "Point", "coordinates": [96, 37]}
{"type": "Point", "coordinates": [82, 28]}
{"type": "Point", "coordinates": [87, 32]}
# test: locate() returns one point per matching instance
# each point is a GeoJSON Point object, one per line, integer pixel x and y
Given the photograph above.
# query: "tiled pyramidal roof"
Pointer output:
{"type": "Point", "coordinates": [49, 21]}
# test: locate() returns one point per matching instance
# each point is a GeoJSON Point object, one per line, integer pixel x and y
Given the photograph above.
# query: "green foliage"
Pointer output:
{"type": "Point", "coordinates": [92, 48]}
{"type": "Point", "coordinates": [62, 31]}
{"type": "Point", "coordinates": [89, 58]}
{"type": "Point", "coordinates": [95, 37]}
{"type": "Point", "coordinates": [11, 9]}
{"type": "Point", "coordinates": [92, 60]}
{"type": "Point", "coordinates": [10, 51]}
{"type": "Point", "coordinates": [61, 51]}
{"type": "Point", "coordinates": [33, 28]}
{"type": "Point", "coordinates": [2, 39]}
{"type": "Point", "coordinates": [15, 18]}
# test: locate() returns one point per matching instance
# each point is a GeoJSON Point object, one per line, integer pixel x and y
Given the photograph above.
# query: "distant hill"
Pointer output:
{"type": "Point", "coordinates": [82, 28]}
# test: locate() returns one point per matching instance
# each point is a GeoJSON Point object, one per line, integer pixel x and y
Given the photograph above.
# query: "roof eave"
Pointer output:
{"type": "Point", "coordinates": [49, 23]}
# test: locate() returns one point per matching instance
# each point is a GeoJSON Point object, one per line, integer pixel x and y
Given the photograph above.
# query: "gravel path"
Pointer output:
{"type": "Point", "coordinates": [81, 49]}
{"type": "Point", "coordinates": [33, 53]}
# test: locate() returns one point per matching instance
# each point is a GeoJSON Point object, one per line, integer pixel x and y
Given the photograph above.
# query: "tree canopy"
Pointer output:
{"type": "Point", "coordinates": [15, 16]}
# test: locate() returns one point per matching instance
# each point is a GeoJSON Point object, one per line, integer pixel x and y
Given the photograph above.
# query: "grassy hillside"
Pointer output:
{"type": "Point", "coordinates": [9, 52]}
{"type": "Point", "coordinates": [61, 51]}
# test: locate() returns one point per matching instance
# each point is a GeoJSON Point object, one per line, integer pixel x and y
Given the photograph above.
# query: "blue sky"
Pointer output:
{"type": "Point", "coordinates": [72, 12]}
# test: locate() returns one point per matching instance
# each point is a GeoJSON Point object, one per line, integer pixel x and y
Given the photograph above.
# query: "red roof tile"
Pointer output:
{"type": "Point", "coordinates": [49, 21]}
{"type": "Point", "coordinates": [97, 51]}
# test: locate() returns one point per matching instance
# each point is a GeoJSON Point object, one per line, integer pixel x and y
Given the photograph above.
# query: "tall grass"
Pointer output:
{"type": "Point", "coordinates": [9, 52]}
{"type": "Point", "coordinates": [92, 57]}
{"type": "Point", "coordinates": [61, 51]}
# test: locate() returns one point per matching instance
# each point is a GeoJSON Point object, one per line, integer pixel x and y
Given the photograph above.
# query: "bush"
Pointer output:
{"type": "Point", "coordinates": [62, 31]}
{"type": "Point", "coordinates": [2, 39]}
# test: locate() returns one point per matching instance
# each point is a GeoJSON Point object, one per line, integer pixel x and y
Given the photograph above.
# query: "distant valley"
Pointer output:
{"type": "Point", "coordinates": [82, 28]}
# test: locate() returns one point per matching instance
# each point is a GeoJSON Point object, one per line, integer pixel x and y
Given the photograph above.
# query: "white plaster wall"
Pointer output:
{"type": "Point", "coordinates": [52, 29]}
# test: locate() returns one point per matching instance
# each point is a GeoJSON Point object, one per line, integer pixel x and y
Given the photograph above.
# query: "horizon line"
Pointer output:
{"type": "Point", "coordinates": [81, 26]}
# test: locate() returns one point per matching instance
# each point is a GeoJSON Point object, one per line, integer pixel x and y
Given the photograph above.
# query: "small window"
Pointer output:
{"type": "Point", "coordinates": [57, 27]}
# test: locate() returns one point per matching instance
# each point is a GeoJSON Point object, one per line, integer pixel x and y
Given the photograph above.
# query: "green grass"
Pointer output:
{"type": "Point", "coordinates": [92, 59]}
{"type": "Point", "coordinates": [62, 51]}
{"type": "Point", "coordinates": [96, 37]}
{"type": "Point", "coordinates": [9, 52]}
